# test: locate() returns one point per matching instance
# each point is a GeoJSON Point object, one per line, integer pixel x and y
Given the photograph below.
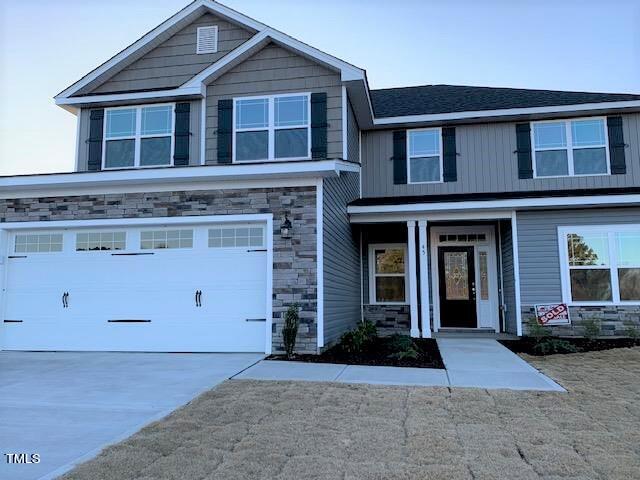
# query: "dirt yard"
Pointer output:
{"type": "Point", "coordinates": [289, 430]}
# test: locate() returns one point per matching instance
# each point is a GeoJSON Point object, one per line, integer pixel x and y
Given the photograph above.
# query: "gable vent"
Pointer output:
{"type": "Point", "coordinates": [207, 39]}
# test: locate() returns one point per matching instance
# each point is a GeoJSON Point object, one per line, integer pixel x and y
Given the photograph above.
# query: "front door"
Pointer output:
{"type": "Point", "coordinates": [456, 273]}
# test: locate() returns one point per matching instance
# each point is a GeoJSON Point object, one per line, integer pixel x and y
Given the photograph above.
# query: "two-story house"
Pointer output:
{"type": "Point", "coordinates": [225, 171]}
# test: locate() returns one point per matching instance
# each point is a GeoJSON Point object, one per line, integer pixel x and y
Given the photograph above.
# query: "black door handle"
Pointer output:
{"type": "Point", "coordinates": [65, 300]}
{"type": "Point", "coordinates": [198, 298]}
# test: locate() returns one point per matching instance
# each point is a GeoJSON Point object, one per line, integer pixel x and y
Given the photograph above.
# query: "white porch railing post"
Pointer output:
{"type": "Point", "coordinates": [413, 278]}
{"type": "Point", "coordinates": [423, 263]}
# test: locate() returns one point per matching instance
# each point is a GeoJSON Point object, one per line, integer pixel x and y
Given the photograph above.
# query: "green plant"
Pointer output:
{"type": "Point", "coordinates": [549, 346]}
{"type": "Point", "coordinates": [290, 330]}
{"type": "Point", "coordinates": [631, 331]}
{"type": "Point", "coordinates": [536, 331]}
{"type": "Point", "coordinates": [592, 328]}
{"type": "Point", "coordinates": [401, 347]}
{"type": "Point", "coordinates": [355, 341]}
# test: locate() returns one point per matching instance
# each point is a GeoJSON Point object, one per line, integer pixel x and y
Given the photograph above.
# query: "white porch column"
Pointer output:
{"type": "Point", "coordinates": [423, 263]}
{"type": "Point", "coordinates": [413, 278]}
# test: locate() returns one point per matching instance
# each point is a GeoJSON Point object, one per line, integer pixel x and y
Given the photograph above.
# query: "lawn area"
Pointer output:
{"type": "Point", "coordinates": [292, 430]}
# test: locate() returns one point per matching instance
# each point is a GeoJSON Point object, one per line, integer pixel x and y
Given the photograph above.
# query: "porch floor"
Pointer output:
{"type": "Point", "coordinates": [469, 362]}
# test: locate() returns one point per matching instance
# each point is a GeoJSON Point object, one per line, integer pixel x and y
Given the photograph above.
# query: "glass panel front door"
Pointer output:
{"type": "Point", "coordinates": [457, 287]}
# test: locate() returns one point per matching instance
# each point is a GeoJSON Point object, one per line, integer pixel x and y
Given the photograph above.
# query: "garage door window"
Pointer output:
{"type": "Point", "coordinates": [158, 239]}
{"type": "Point", "coordinates": [42, 243]}
{"type": "Point", "coordinates": [100, 241]}
{"type": "Point", "coordinates": [230, 237]}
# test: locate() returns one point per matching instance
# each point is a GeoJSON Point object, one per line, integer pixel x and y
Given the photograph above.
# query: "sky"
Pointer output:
{"type": "Point", "coordinates": [581, 45]}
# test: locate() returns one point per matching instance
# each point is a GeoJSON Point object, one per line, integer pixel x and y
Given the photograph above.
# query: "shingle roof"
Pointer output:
{"type": "Point", "coordinates": [434, 99]}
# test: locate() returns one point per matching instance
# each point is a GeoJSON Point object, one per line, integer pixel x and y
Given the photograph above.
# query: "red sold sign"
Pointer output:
{"type": "Point", "coordinates": [553, 314]}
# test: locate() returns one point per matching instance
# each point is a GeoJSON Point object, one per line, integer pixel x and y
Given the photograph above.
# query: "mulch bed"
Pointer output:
{"type": "Point", "coordinates": [377, 353]}
{"type": "Point", "coordinates": [526, 344]}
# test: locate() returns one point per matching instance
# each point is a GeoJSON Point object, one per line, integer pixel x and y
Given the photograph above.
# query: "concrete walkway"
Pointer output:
{"type": "Point", "coordinates": [67, 406]}
{"type": "Point", "coordinates": [477, 363]}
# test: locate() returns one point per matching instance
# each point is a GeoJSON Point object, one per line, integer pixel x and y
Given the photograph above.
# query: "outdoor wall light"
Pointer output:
{"type": "Point", "coordinates": [285, 228]}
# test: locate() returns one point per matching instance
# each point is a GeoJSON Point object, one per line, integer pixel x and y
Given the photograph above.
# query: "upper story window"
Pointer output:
{"type": "Point", "coordinates": [424, 155]}
{"type": "Point", "coordinates": [138, 136]}
{"type": "Point", "coordinates": [571, 147]}
{"type": "Point", "coordinates": [207, 39]}
{"type": "Point", "coordinates": [272, 128]}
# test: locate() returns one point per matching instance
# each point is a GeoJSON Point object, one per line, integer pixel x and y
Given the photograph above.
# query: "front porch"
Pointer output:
{"type": "Point", "coordinates": [440, 275]}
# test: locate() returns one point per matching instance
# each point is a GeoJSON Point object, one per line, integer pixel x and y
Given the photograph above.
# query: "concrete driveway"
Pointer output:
{"type": "Point", "coordinates": [67, 406]}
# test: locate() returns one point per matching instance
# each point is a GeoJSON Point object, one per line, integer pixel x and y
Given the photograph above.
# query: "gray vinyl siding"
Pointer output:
{"type": "Point", "coordinates": [507, 274]}
{"type": "Point", "coordinates": [175, 61]}
{"type": "Point", "coordinates": [275, 70]}
{"type": "Point", "coordinates": [487, 163]}
{"type": "Point", "coordinates": [353, 135]}
{"type": "Point", "coordinates": [341, 257]}
{"type": "Point", "coordinates": [538, 247]}
{"type": "Point", "coordinates": [194, 141]}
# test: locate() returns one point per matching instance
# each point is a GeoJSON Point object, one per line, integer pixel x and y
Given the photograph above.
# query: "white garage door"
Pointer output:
{"type": "Point", "coordinates": [175, 289]}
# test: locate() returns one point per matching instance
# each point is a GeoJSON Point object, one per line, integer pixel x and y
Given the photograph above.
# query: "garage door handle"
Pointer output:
{"type": "Point", "coordinates": [198, 298]}
{"type": "Point", "coordinates": [65, 300]}
{"type": "Point", "coordinates": [256, 319]}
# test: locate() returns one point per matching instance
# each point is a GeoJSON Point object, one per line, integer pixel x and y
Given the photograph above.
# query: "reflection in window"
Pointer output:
{"type": "Point", "coordinates": [97, 241]}
{"type": "Point", "coordinates": [389, 275]}
{"type": "Point", "coordinates": [160, 239]}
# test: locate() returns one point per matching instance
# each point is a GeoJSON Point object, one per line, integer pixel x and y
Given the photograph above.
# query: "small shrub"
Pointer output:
{"type": "Point", "coordinates": [592, 329]}
{"type": "Point", "coordinates": [631, 331]}
{"type": "Point", "coordinates": [355, 341]}
{"type": "Point", "coordinates": [549, 346]}
{"type": "Point", "coordinates": [402, 347]}
{"type": "Point", "coordinates": [536, 331]}
{"type": "Point", "coordinates": [290, 330]}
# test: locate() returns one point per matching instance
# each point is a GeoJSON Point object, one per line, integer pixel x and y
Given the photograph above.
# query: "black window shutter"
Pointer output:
{"type": "Point", "coordinates": [225, 131]}
{"type": "Point", "coordinates": [616, 146]}
{"type": "Point", "coordinates": [318, 125]}
{"type": "Point", "coordinates": [399, 157]}
{"type": "Point", "coordinates": [525, 161]}
{"type": "Point", "coordinates": [182, 135]}
{"type": "Point", "coordinates": [449, 154]}
{"type": "Point", "coordinates": [96, 121]}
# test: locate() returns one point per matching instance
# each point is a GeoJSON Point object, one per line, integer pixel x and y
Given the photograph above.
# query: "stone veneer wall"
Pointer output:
{"type": "Point", "coordinates": [389, 319]}
{"type": "Point", "coordinates": [294, 260]}
{"type": "Point", "coordinates": [614, 319]}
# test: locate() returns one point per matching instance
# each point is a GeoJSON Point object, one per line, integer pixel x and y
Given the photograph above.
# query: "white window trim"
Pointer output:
{"type": "Point", "coordinates": [409, 156]}
{"type": "Point", "coordinates": [215, 47]}
{"type": "Point", "coordinates": [235, 227]}
{"type": "Point", "coordinates": [166, 230]}
{"type": "Point", "coordinates": [569, 147]}
{"type": "Point", "coordinates": [271, 128]}
{"type": "Point", "coordinates": [372, 272]}
{"type": "Point", "coordinates": [611, 231]}
{"type": "Point", "coordinates": [138, 136]}
{"type": "Point", "coordinates": [75, 242]}
{"type": "Point", "coordinates": [13, 252]}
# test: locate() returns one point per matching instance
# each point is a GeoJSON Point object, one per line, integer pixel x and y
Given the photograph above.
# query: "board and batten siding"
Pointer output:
{"type": "Point", "coordinates": [341, 255]}
{"type": "Point", "coordinates": [487, 163]}
{"type": "Point", "coordinates": [275, 70]}
{"type": "Point", "coordinates": [175, 61]}
{"type": "Point", "coordinates": [194, 139]}
{"type": "Point", "coordinates": [538, 247]}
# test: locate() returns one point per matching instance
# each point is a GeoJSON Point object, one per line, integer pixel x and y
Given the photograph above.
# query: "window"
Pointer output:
{"type": "Point", "coordinates": [269, 128]}
{"type": "Point", "coordinates": [602, 264]}
{"type": "Point", "coordinates": [424, 155]}
{"type": "Point", "coordinates": [158, 239]}
{"type": "Point", "coordinates": [228, 237]}
{"type": "Point", "coordinates": [38, 243]}
{"type": "Point", "coordinates": [388, 277]}
{"type": "Point", "coordinates": [573, 147]}
{"type": "Point", "coordinates": [99, 241]}
{"type": "Point", "coordinates": [207, 39]}
{"type": "Point", "coordinates": [138, 136]}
